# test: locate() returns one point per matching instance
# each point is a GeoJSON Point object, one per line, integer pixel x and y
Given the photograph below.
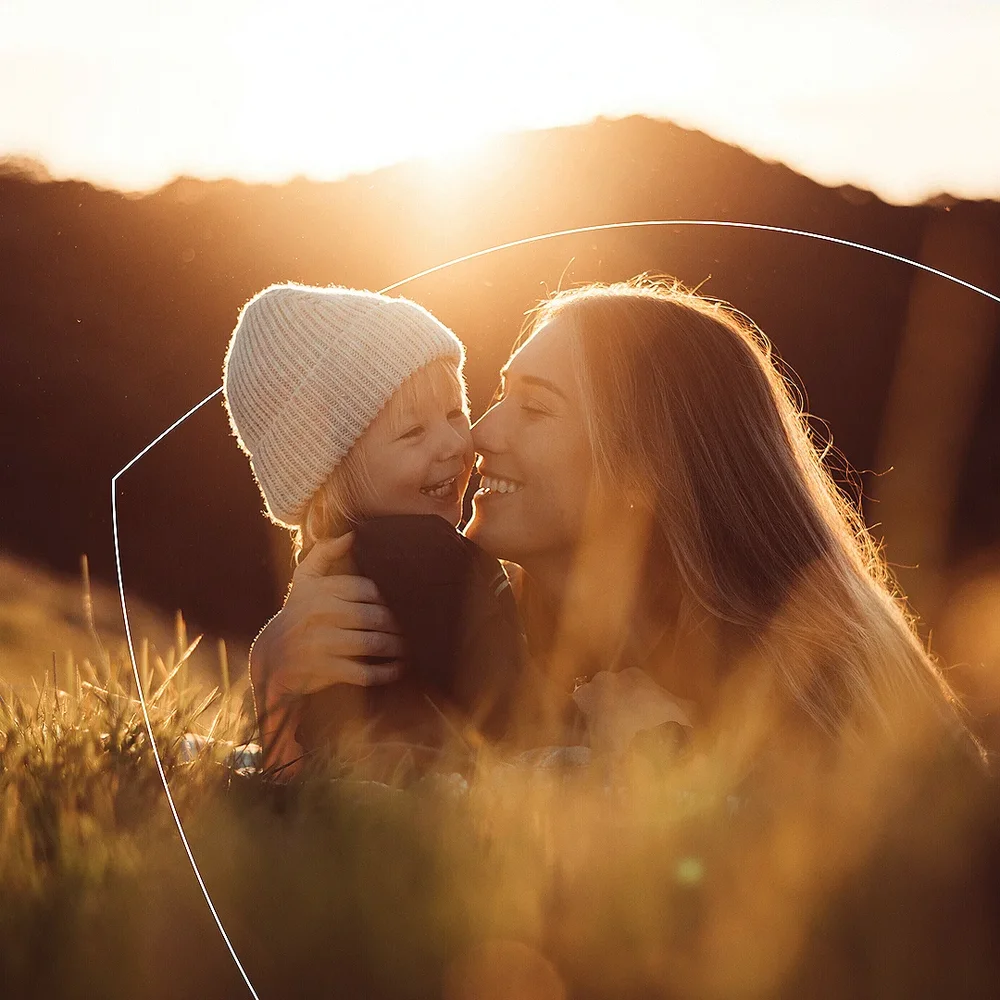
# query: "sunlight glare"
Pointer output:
{"type": "Point", "coordinates": [898, 99]}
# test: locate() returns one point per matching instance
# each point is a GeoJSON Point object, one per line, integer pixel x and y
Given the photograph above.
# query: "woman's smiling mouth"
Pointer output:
{"type": "Point", "coordinates": [492, 485]}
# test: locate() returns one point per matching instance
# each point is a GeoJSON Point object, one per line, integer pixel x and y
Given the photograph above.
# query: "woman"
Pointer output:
{"type": "Point", "coordinates": [645, 466]}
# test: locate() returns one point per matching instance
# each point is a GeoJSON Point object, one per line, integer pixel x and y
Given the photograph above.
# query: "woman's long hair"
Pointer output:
{"type": "Point", "coordinates": [688, 412]}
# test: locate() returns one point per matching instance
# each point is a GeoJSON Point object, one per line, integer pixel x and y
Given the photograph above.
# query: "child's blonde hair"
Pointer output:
{"type": "Point", "coordinates": [339, 502]}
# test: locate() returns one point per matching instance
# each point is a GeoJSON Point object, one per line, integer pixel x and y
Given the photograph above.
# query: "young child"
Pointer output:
{"type": "Point", "coordinates": [351, 407]}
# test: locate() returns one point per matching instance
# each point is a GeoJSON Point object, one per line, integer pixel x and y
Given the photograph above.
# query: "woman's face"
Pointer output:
{"type": "Point", "coordinates": [536, 460]}
{"type": "Point", "coordinates": [418, 451]}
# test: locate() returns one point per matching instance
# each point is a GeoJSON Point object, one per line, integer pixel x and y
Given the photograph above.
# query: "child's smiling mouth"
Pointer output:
{"type": "Point", "coordinates": [441, 490]}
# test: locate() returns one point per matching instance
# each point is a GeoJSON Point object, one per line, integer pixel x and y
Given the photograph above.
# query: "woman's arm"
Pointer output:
{"type": "Point", "coordinates": [330, 617]}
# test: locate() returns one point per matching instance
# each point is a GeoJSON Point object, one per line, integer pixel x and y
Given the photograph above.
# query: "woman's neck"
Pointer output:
{"type": "Point", "coordinates": [581, 622]}
{"type": "Point", "coordinates": [596, 603]}
{"type": "Point", "coordinates": [549, 577]}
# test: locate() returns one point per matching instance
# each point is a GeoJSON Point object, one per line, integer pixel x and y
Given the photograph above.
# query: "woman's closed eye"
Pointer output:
{"type": "Point", "coordinates": [534, 409]}
{"type": "Point", "coordinates": [526, 404]}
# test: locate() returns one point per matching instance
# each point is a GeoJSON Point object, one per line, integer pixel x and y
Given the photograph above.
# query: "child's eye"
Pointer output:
{"type": "Point", "coordinates": [456, 414]}
{"type": "Point", "coordinates": [412, 434]}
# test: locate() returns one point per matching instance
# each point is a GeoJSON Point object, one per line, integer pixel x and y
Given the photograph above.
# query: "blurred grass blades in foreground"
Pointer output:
{"type": "Point", "coordinates": [625, 879]}
{"type": "Point", "coordinates": [563, 875]}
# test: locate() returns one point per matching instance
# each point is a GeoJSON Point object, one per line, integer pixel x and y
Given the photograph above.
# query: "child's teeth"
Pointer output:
{"type": "Point", "coordinates": [441, 490]}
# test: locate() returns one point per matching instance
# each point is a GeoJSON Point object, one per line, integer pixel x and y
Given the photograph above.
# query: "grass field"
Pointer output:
{"type": "Point", "coordinates": [640, 877]}
{"type": "Point", "coordinates": [52, 622]}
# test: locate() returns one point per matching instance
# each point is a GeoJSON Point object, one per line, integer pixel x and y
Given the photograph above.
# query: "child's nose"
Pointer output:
{"type": "Point", "coordinates": [455, 441]}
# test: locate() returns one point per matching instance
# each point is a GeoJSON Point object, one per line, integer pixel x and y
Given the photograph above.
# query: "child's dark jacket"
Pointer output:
{"type": "Point", "coordinates": [464, 646]}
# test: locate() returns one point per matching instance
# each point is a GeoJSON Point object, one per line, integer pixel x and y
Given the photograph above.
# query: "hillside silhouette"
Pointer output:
{"type": "Point", "coordinates": [115, 312]}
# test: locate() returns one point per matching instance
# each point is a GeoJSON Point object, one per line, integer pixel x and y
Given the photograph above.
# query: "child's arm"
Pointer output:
{"type": "Point", "coordinates": [329, 619]}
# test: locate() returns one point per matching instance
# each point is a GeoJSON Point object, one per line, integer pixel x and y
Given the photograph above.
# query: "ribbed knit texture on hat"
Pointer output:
{"type": "Point", "coordinates": [308, 369]}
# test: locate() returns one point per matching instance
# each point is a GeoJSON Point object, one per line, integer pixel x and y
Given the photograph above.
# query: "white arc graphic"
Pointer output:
{"type": "Point", "coordinates": [646, 223]}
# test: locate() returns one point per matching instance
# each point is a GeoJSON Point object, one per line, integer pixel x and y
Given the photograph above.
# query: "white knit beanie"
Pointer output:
{"type": "Point", "coordinates": [308, 369]}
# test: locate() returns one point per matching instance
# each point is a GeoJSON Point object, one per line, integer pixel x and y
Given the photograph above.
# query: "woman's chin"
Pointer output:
{"type": "Point", "coordinates": [485, 532]}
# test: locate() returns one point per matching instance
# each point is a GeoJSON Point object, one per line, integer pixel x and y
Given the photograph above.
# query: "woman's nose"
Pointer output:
{"type": "Point", "coordinates": [487, 431]}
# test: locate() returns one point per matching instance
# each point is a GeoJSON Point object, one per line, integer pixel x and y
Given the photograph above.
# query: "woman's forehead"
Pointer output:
{"type": "Point", "coordinates": [548, 353]}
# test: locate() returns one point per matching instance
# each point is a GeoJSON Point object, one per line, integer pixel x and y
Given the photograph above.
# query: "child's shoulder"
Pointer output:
{"type": "Point", "coordinates": [426, 546]}
{"type": "Point", "coordinates": [423, 546]}
{"type": "Point", "coordinates": [408, 538]}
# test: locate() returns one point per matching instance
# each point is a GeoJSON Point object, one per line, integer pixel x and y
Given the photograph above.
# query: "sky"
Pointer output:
{"type": "Point", "coordinates": [899, 97]}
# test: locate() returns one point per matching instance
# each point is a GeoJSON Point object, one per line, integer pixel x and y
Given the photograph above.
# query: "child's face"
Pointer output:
{"type": "Point", "coordinates": [418, 451]}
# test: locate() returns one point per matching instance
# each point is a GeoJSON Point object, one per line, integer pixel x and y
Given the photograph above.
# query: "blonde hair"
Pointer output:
{"type": "Point", "coordinates": [688, 412]}
{"type": "Point", "coordinates": [340, 502]}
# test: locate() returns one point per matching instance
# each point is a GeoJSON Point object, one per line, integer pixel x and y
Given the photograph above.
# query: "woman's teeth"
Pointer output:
{"type": "Point", "coordinates": [492, 485]}
{"type": "Point", "coordinates": [440, 490]}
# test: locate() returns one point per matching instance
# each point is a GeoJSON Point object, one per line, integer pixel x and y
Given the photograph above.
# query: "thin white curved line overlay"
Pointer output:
{"type": "Point", "coordinates": [646, 223]}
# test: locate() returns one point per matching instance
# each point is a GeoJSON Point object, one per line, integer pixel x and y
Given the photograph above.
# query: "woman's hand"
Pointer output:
{"type": "Point", "coordinates": [619, 705]}
{"type": "Point", "coordinates": [330, 618]}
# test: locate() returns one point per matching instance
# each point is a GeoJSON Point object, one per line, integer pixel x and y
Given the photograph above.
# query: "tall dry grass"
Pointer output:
{"type": "Point", "coordinates": [659, 873]}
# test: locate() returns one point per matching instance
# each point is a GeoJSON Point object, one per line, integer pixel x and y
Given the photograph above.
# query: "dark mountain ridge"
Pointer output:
{"type": "Point", "coordinates": [115, 311]}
